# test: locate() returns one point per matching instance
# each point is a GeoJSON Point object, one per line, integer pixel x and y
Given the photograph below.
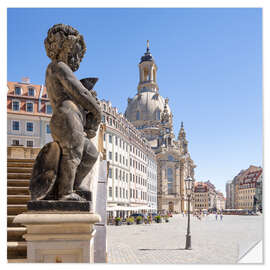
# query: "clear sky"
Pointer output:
{"type": "Point", "coordinates": [209, 66]}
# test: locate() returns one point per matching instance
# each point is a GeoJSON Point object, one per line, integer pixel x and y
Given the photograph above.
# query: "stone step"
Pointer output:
{"type": "Point", "coordinates": [10, 223]}
{"type": "Point", "coordinates": [17, 260]}
{"type": "Point", "coordinates": [19, 176]}
{"type": "Point", "coordinates": [18, 183]}
{"type": "Point", "coordinates": [16, 250]}
{"type": "Point", "coordinates": [16, 209]}
{"type": "Point", "coordinates": [18, 191]}
{"type": "Point", "coordinates": [19, 165]}
{"type": "Point", "coordinates": [18, 199]}
{"type": "Point", "coordinates": [19, 170]}
{"type": "Point", "coordinates": [20, 160]}
{"type": "Point", "coordinates": [15, 234]}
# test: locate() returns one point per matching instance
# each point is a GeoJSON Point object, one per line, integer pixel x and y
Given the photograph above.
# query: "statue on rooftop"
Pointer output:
{"type": "Point", "coordinates": [62, 165]}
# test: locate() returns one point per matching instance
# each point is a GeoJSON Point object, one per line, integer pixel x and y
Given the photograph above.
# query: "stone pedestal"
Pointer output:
{"type": "Point", "coordinates": [59, 237]}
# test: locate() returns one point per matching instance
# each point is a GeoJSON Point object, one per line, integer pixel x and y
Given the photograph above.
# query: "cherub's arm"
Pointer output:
{"type": "Point", "coordinates": [76, 90]}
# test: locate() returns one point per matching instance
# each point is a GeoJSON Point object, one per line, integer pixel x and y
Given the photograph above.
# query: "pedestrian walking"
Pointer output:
{"type": "Point", "coordinates": [221, 216]}
{"type": "Point", "coordinates": [216, 215]}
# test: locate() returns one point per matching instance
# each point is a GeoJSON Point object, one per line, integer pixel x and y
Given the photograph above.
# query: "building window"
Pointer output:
{"type": "Point", "coordinates": [110, 138]}
{"type": "Point", "coordinates": [18, 91]}
{"type": "Point", "coordinates": [31, 92]}
{"type": "Point", "coordinates": [110, 172]}
{"type": "Point", "coordinates": [30, 143]}
{"type": "Point", "coordinates": [15, 105]}
{"type": "Point", "coordinates": [48, 109]}
{"type": "Point", "coordinates": [116, 157]}
{"type": "Point", "coordinates": [158, 115]}
{"type": "Point", "coordinates": [15, 125]}
{"type": "Point", "coordinates": [110, 155]}
{"type": "Point", "coordinates": [120, 189]}
{"type": "Point", "coordinates": [116, 173]}
{"type": "Point", "coordinates": [170, 180]}
{"type": "Point", "coordinates": [116, 192]}
{"type": "Point", "coordinates": [104, 137]}
{"type": "Point", "coordinates": [103, 119]}
{"type": "Point", "coordinates": [15, 142]}
{"type": "Point", "coordinates": [29, 107]}
{"type": "Point", "coordinates": [116, 140]}
{"type": "Point", "coordinates": [110, 191]}
{"type": "Point", "coordinates": [48, 130]}
{"type": "Point", "coordinates": [29, 126]}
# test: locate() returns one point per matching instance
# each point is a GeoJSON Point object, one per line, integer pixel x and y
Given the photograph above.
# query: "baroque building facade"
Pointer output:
{"type": "Point", "coordinates": [132, 177]}
{"type": "Point", "coordinates": [28, 115]}
{"type": "Point", "coordinates": [207, 197]}
{"type": "Point", "coordinates": [150, 113]}
{"type": "Point", "coordinates": [245, 189]}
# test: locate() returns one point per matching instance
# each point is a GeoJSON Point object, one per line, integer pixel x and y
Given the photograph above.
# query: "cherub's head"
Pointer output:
{"type": "Point", "coordinates": [64, 43]}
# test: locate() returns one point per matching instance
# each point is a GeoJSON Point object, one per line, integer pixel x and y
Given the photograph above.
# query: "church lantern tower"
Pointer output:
{"type": "Point", "coordinates": [148, 72]}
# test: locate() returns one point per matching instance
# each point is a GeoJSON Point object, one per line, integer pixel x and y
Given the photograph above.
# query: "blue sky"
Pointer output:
{"type": "Point", "coordinates": [209, 66]}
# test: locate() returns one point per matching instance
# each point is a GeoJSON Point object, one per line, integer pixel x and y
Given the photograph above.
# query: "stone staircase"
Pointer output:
{"type": "Point", "coordinates": [18, 175]}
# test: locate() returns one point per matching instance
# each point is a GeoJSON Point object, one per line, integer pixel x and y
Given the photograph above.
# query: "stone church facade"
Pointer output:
{"type": "Point", "coordinates": [150, 113]}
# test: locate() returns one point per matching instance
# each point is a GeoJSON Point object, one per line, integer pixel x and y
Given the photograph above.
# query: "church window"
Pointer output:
{"type": "Point", "coordinates": [170, 180]}
{"type": "Point", "coordinates": [145, 75]}
{"type": "Point", "coordinates": [158, 115]}
{"type": "Point", "coordinates": [138, 115]}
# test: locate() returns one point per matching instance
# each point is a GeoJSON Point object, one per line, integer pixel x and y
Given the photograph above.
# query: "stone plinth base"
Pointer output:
{"type": "Point", "coordinates": [61, 206]}
{"type": "Point", "coordinates": [57, 237]}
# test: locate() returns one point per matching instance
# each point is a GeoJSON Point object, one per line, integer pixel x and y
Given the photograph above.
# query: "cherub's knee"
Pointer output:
{"type": "Point", "coordinates": [91, 151]}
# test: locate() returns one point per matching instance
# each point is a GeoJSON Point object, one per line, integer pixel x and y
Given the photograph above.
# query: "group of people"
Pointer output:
{"type": "Point", "coordinates": [200, 214]}
{"type": "Point", "coordinates": [220, 215]}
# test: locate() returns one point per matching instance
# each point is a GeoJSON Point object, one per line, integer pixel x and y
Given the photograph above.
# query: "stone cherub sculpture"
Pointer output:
{"type": "Point", "coordinates": [62, 165]}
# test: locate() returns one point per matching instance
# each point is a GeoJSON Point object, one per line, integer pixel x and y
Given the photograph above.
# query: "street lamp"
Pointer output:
{"type": "Point", "coordinates": [189, 189]}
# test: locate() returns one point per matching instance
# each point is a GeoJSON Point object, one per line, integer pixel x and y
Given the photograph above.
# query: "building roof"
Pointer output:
{"type": "Point", "coordinates": [148, 104]}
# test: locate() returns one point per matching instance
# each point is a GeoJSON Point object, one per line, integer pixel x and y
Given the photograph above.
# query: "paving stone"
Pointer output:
{"type": "Point", "coordinates": [212, 241]}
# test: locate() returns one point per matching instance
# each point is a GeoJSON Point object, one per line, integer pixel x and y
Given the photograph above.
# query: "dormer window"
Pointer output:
{"type": "Point", "coordinates": [18, 91]}
{"type": "Point", "coordinates": [31, 92]}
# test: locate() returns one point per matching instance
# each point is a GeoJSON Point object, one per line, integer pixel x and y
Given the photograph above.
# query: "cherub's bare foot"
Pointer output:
{"type": "Point", "coordinates": [72, 197]}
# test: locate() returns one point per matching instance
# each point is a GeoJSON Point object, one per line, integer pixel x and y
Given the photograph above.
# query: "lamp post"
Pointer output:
{"type": "Point", "coordinates": [189, 188]}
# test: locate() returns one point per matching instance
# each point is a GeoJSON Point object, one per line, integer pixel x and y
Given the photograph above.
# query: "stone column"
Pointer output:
{"type": "Point", "coordinates": [59, 237]}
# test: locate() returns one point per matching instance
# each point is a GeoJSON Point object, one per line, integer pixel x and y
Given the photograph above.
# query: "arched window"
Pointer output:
{"type": "Point", "coordinates": [170, 180]}
{"type": "Point", "coordinates": [158, 115]}
{"type": "Point", "coordinates": [138, 115]}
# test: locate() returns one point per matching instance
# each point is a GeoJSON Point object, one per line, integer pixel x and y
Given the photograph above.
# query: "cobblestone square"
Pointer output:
{"type": "Point", "coordinates": [213, 241]}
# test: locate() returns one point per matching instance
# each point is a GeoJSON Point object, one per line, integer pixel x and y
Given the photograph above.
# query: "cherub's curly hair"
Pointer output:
{"type": "Point", "coordinates": [62, 37]}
